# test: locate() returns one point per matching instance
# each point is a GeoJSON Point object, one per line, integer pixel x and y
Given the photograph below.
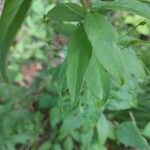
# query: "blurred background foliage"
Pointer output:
{"type": "Point", "coordinates": [33, 115]}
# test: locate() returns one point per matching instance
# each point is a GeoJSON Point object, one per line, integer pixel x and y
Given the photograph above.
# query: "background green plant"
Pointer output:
{"type": "Point", "coordinates": [37, 116]}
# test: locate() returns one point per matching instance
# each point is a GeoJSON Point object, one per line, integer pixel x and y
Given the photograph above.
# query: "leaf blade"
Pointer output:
{"type": "Point", "coordinates": [146, 131]}
{"type": "Point", "coordinates": [12, 17]}
{"type": "Point", "coordinates": [104, 42]}
{"type": "Point", "coordinates": [98, 80]}
{"type": "Point", "coordinates": [127, 5]}
{"type": "Point", "coordinates": [79, 54]}
{"type": "Point", "coordinates": [129, 135]}
{"type": "Point", "coordinates": [66, 12]}
{"type": "Point", "coordinates": [65, 29]}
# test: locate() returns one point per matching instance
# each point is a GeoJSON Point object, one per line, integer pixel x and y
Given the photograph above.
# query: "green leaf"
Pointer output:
{"type": "Point", "coordinates": [47, 101]}
{"type": "Point", "coordinates": [126, 96]}
{"type": "Point", "coordinates": [10, 146]}
{"type": "Point", "coordinates": [133, 6]}
{"type": "Point", "coordinates": [45, 146]}
{"type": "Point", "coordinates": [54, 116]}
{"type": "Point", "coordinates": [87, 138]}
{"type": "Point", "coordinates": [127, 41]}
{"type": "Point", "coordinates": [13, 15]}
{"type": "Point", "coordinates": [62, 77]}
{"type": "Point", "coordinates": [57, 147]}
{"type": "Point", "coordinates": [136, 69]}
{"type": "Point", "coordinates": [68, 143]}
{"type": "Point", "coordinates": [97, 146]}
{"type": "Point", "coordinates": [66, 29]}
{"type": "Point", "coordinates": [104, 130]}
{"type": "Point", "coordinates": [98, 80]}
{"type": "Point", "coordinates": [70, 123]}
{"type": "Point", "coordinates": [21, 138]}
{"type": "Point", "coordinates": [129, 135]}
{"type": "Point", "coordinates": [146, 131]}
{"type": "Point", "coordinates": [104, 42]}
{"type": "Point", "coordinates": [79, 55]}
{"type": "Point", "coordinates": [66, 12]}
{"type": "Point", "coordinates": [145, 1]}
{"type": "Point", "coordinates": [90, 110]}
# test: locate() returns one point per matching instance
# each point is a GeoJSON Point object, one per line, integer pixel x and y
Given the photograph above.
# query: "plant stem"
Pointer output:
{"type": "Point", "coordinates": [86, 3]}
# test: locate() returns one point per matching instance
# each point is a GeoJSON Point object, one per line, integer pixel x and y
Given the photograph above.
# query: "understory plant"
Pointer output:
{"type": "Point", "coordinates": [99, 81]}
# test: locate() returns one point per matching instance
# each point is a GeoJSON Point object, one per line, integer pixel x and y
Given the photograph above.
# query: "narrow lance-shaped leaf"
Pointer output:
{"type": "Point", "coordinates": [62, 77]}
{"type": "Point", "coordinates": [66, 12]}
{"type": "Point", "coordinates": [79, 54]}
{"type": "Point", "coordinates": [145, 1]}
{"type": "Point", "coordinates": [104, 42]}
{"type": "Point", "coordinates": [98, 80]}
{"type": "Point", "coordinates": [13, 15]}
{"type": "Point", "coordinates": [133, 6]}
